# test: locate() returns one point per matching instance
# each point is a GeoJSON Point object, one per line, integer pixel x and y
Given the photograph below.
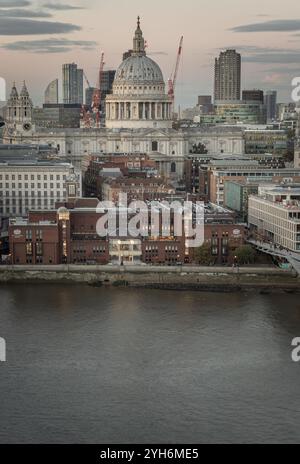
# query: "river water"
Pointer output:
{"type": "Point", "coordinates": [99, 365]}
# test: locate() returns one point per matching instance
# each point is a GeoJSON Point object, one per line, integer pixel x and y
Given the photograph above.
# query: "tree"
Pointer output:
{"type": "Point", "coordinates": [245, 254]}
{"type": "Point", "coordinates": [203, 255]}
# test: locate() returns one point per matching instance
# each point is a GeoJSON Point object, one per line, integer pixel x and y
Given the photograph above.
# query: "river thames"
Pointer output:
{"type": "Point", "coordinates": [114, 365]}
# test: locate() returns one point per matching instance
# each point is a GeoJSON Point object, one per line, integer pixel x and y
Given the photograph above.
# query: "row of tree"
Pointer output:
{"type": "Point", "coordinates": [245, 254]}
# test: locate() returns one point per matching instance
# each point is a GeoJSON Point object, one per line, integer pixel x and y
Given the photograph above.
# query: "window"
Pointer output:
{"type": "Point", "coordinates": [29, 249]}
{"type": "Point", "coordinates": [154, 146]}
{"type": "Point", "coordinates": [39, 249]}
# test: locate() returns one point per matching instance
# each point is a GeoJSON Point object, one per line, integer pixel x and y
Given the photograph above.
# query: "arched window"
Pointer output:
{"type": "Point", "coordinates": [173, 167]}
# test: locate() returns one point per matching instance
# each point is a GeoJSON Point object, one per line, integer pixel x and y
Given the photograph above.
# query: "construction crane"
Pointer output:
{"type": "Point", "coordinates": [86, 80]}
{"type": "Point", "coordinates": [96, 104]}
{"type": "Point", "coordinates": [173, 79]}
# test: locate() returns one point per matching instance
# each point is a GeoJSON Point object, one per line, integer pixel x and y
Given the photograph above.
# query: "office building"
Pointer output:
{"type": "Point", "coordinates": [89, 94]}
{"type": "Point", "coordinates": [33, 184]}
{"type": "Point", "coordinates": [232, 112]}
{"type": "Point", "coordinates": [271, 105]}
{"type": "Point", "coordinates": [228, 76]}
{"type": "Point", "coordinates": [259, 141]}
{"type": "Point", "coordinates": [57, 116]}
{"type": "Point", "coordinates": [253, 95]}
{"type": "Point", "coordinates": [51, 93]}
{"type": "Point", "coordinates": [274, 215]}
{"type": "Point", "coordinates": [205, 104]}
{"type": "Point", "coordinates": [72, 84]}
{"type": "Point", "coordinates": [236, 194]}
{"type": "Point", "coordinates": [107, 80]}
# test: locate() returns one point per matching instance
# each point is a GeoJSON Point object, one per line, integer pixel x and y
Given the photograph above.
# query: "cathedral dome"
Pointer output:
{"type": "Point", "coordinates": [139, 70]}
{"type": "Point", "coordinates": [138, 74]}
{"type": "Point", "coordinates": [138, 100]}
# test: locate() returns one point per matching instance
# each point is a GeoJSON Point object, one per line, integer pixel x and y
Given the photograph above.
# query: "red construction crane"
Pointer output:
{"type": "Point", "coordinates": [96, 104]}
{"type": "Point", "coordinates": [173, 79]}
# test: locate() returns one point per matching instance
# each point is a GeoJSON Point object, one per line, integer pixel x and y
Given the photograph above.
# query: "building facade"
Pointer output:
{"type": "Point", "coordinates": [253, 95]}
{"type": "Point", "coordinates": [271, 105]}
{"type": "Point", "coordinates": [72, 84]}
{"type": "Point", "coordinates": [275, 216]}
{"type": "Point", "coordinates": [51, 93]}
{"type": "Point", "coordinates": [228, 76]}
{"type": "Point", "coordinates": [36, 185]}
{"type": "Point", "coordinates": [139, 99]}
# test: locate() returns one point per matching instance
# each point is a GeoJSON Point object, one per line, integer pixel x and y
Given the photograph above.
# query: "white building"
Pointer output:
{"type": "Point", "coordinates": [138, 121]}
{"type": "Point", "coordinates": [51, 92]}
{"type": "Point", "coordinates": [275, 216]}
{"type": "Point", "coordinates": [36, 185]}
{"type": "Point", "coordinates": [139, 98]}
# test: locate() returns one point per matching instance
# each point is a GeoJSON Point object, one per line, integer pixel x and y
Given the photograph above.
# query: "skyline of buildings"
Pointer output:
{"type": "Point", "coordinates": [231, 139]}
{"type": "Point", "coordinates": [227, 83]}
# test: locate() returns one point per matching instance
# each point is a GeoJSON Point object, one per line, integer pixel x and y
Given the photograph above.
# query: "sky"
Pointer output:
{"type": "Point", "coordinates": [38, 36]}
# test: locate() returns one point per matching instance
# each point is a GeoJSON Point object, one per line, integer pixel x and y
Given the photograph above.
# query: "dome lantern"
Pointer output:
{"type": "Point", "coordinates": [139, 41]}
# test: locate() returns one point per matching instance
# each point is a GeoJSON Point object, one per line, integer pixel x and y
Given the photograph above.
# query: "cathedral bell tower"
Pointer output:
{"type": "Point", "coordinates": [18, 117]}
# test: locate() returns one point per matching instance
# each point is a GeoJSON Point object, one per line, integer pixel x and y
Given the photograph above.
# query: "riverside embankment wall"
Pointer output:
{"type": "Point", "coordinates": [178, 277]}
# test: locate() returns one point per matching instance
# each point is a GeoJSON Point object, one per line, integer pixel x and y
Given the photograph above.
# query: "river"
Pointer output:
{"type": "Point", "coordinates": [107, 365]}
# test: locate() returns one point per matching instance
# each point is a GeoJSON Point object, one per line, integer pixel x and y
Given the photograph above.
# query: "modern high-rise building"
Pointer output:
{"type": "Point", "coordinates": [228, 76]}
{"type": "Point", "coordinates": [79, 86]}
{"type": "Point", "coordinates": [107, 81]}
{"type": "Point", "coordinates": [205, 103]}
{"type": "Point", "coordinates": [72, 84]}
{"type": "Point", "coordinates": [51, 93]}
{"type": "Point", "coordinates": [253, 95]}
{"type": "Point", "coordinates": [89, 93]}
{"type": "Point", "coordinates": [271, 102]}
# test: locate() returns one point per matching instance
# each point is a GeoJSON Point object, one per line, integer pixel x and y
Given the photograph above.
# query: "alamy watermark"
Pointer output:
{"type": "Point", "coordinates": [2, 90]}
{"type": "Point", "coordinates": [296, 90]}
{"type": "Point", "coordinates": [296, 350]}
{"type": "Point", "coordinates": [2, 350]}
{"type": "Point", "coordinates": [152, 219]}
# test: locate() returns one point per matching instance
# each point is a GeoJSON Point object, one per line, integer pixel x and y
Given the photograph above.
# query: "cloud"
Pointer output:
{"type": "Point", "coordinates": [284, 70]}
{"type": "Point", "coordinates": [268, 55]}
{"type": "Point", "coordinates": [13, 3]}
{"type": "Point", "coordinates": [10, 26]}
{"type": "Point", "coordinates": [274, 78]}
{"type": "Point", "coordinates": [50, 45]}
{"type": "Point", "coordinates": [275, 57]}
{"type": "Point", "coordinates": [278, 25]}
{"type": "Point", "coordinates": [21, 13]}
{"type": "Point", "coordinates": [61, 6]}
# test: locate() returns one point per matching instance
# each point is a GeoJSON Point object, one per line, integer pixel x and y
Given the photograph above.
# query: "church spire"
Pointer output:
{"type": "Point", "coordinates": [24, 91]}
{"type": "Point", "coordinates": [14, 92]}
{"type": "Point", "coordinates": [138, 40]}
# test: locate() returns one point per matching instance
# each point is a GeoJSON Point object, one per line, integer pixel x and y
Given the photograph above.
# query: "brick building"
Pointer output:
{"type": "Point", "coordinates": [144, 189]}
{"type": "Point", "coordinates": [68, 235]}
{"type": "Point", "coordinates": [98, 167]}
